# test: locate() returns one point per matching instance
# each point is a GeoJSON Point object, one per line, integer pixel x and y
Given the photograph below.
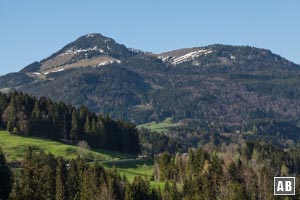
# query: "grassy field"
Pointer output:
{"type": "Point", "coordinates": [159, 127]}
{"type": "Point", "coordinates": [143, 168]}
{"type": "Point", "coordinates": [133, 168]}
{"type": "Point", "coordinates": [14, 147]}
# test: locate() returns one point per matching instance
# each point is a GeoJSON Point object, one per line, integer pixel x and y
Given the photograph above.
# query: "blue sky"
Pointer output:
{"type": "Point", "coordinates": [33, 29]}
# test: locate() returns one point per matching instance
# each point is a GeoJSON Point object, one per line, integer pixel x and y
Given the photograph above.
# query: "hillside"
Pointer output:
{"type": "Point", "coordinates": [14, 147]}
{"type": "Point", "coordinates": [24, 115]}
{"type": "Point", "coordinates": [217, 87]}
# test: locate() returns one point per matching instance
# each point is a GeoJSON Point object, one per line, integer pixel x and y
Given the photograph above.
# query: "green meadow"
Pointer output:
{"type": "Point", "coordinates": [143, 168]}
{"type": "Point", "coordinates": [133, 168]}
{"type": "Point", "coordinates": [14, 147]}
{"type": "Point", "coordinates": [161, 126]}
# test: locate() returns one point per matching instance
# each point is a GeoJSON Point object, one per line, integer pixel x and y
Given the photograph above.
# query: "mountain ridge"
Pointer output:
{"type": "Point", "coordinates": [86, 46]}
{"type": "Point", "coordinates": [221, 86]}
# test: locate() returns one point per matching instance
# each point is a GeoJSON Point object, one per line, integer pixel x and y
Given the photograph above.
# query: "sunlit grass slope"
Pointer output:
{"type": "Point", "coordinates": [161, 126]}
{"type": "Point", "coordinates": [14, 147]}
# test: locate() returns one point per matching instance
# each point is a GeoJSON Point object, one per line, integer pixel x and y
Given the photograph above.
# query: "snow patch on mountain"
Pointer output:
{"type": "Point", "coordinates": [90, 35]}
{"type": "Point", "coordinates": [107, 62]}
{"type": "Point", "coordinates": [74, 51]}
{"type": "Point", "coordinates": [135, 50]}
{"type": "Point", "coordinates": [186, 57]}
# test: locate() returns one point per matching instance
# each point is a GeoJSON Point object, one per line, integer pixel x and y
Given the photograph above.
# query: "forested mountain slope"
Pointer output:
{"type": "Point", "coordinates": [223, 87]}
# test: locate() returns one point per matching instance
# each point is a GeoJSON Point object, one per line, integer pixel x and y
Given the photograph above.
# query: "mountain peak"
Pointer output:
{"type": "Point", "coordinates": [92, 49]}
{"type": "Point", "coordinates": [93, 35]}
{"type": "Point", "coordinates": [92, 39]}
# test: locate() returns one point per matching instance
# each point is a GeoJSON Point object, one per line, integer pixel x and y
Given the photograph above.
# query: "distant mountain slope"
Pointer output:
{"type": "Point", "coordinates": [217, 86]}
{"type": "Point", "coordinates": [14, 80]}
{"type": "Point", "coordinates": [111, 89]}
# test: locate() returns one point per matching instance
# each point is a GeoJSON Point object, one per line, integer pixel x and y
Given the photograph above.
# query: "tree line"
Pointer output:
{"type": "Point", "coordinates": [246, 174]}
{"type": "Point", "coordinates": [192, 176]}
{"type": "Point", "coordinates": [45, 177]}
{"type": "Point", "coordinates": [29, 116]}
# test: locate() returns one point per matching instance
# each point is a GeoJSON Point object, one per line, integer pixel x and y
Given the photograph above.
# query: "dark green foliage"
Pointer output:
{"type": "Point", "coordinates": [171, 192]}
{"type": "Point", "coordinates": [266, 130]}
{"type": "Point", "coordinates": [273, 156]}
{"type": "Point", "coordinates": [44, 177]}
{"type": "Point", "coordinates": [200, 173]}
{"type": "Point", "coordinates": [109, 90]}
{"type": "Point", "coordinates": [3, 106]}
{"type": "Point", "coordinates": [73, 180]}
{"type": "Point", "coordinates": [26, 115]}
{"type": "Point", "coordinates": [5, 178]}
{"type": "Point", "coordinates": [139, 189]}
{"type": "Point", "coordinates": [154, 143]}
{"type": "Point", "coordinates": [206, 176]}
{"type": "Point", "coordinates": [196, 161]}
{"type": "Point", "coordinates": [74, 127]}
{"type": "Point", "coordinates": [61, 177]}
{"type": "Point", "coordinates": [166, 165]}
{"type": "Point", "coordinates": [89, 185]}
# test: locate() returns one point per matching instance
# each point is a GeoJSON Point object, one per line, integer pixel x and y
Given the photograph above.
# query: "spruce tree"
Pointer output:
{"type": "Point", "coordinates": [89, 185]}
{"type": "Point", "coordinates": [73, 181]}
{"type": "Point", "coordinates": [29, 182]}
{"type": "Point", "coordinates": [74, 127]}
{"type": "Point", "coordinates": [61, 180]}
{"type": "Point", "coordinates": [16, 192]}
{"type": "Point", "coordinates": [140, 189]}
{"type": "Point", "coordinates": [5, 178]}
{"type": "Point", "coordinates": [106, 192]}
{"type": "Point", "coordinates": [128, 191]}
{"type": "Point", "coordinates": [87, 125]}
{"type": "Point", "coordinates": [36, 113]}
{"type": "Point", "coordinates": [12, 115]}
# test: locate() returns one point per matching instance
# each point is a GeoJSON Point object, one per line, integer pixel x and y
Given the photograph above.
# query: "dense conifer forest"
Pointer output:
{"type": "Point", "coordinates": [29, 116]}
{"type": "Point", "coordinates": [247, 173]}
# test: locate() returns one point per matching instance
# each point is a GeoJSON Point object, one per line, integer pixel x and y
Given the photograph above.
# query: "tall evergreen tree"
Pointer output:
{"type": "Point", "coordinates": [29, 183]}
{"type": "Point", "coordinates": [73, 180]}
{"type": "Point", "coordinates": [87, 125]}
{"type": "Point", "coordinates": [3, 106]}
{"type": "Point", "coordinates": [89, 185]}
{"type": "Point", "coordinates": [140, 189]}
{"type": "Point", "coordinates": [61, 174]}
{"type": "Point", "coordinates": [215, 176]}
{"type": "Point", "coordinates": [128, 191]}
{"type": "Point", "coordinates": [12, 115]}
{"type": "Point", "coordinates": [5, 178]}
{"type": "Point", "coordinates": [171, 192]}
{"type": "Point", "coordinates": [36, 113]}
{"type": "Point", "coordinates": [74, 127]}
